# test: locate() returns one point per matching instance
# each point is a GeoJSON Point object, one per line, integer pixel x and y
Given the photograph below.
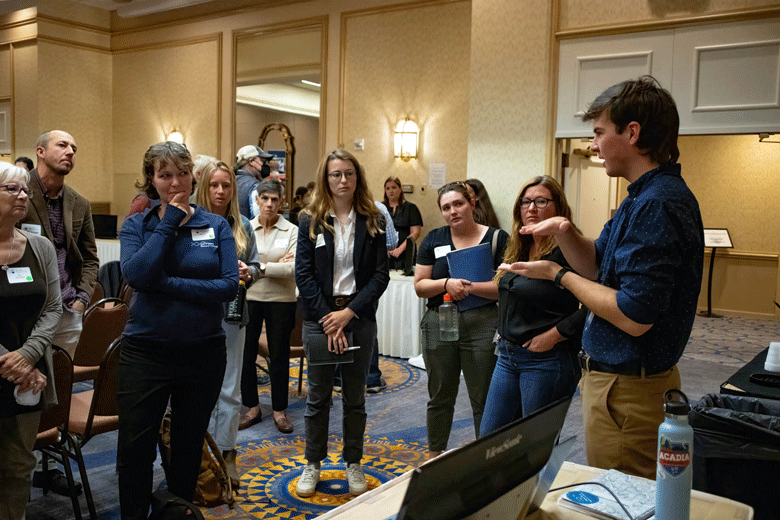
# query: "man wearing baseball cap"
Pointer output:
{"type": "Point", "coordinates": [251, 167]}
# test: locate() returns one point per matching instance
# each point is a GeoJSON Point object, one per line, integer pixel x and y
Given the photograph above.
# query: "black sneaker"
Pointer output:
{"type": "Point", "coordinates": [377, 388]}
{"type": "Point", "coordinates": [56, 482]}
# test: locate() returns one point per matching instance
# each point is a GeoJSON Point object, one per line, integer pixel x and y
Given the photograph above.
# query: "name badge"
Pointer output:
{"type": "Point", "coordinates": [19, 275]}
{"type": "Point", "coordinates": [441, 251]}
{"type": "Point", "coordinates": [203, 234]}
{"type": "Point", "coordinates": [33, 229]}
{"type": "Point", "coordinates": [320, 241]}
{"type": "Point", "coordinates": [281, 243]}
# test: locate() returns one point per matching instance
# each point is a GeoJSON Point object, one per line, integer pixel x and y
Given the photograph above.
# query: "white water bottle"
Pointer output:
{"type": "Point", "coordinates": [448, 320]}
{"type": "Point", "coordinates": [675, 454]}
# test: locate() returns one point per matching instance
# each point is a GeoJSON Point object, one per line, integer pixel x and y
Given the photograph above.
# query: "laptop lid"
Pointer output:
{"type": "Point", "coordinates": [463, 483]}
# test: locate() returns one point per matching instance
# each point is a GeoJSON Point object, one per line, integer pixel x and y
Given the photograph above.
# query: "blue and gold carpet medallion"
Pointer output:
{"type": "Point", "coordinates": [270, 471]}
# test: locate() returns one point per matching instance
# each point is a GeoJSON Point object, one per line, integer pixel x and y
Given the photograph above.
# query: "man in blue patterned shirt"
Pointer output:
{"type": "Point", "coordinates": [640, 279]}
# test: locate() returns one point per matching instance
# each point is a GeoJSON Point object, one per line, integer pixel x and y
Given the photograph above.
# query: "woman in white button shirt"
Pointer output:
{"type": "Point", "coordinates": [271, 300]}
{"type": "Point", "coordinates": [341, 271]}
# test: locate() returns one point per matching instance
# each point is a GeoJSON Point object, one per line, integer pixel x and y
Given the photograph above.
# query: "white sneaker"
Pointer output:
{"type": "Point", "coordinates": [307, 482]}
{"type": "Point", "coordinates": [356, 479]}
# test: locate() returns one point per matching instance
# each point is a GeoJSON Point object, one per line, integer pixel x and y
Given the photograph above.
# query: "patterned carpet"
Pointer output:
{"type": "Point", "coordinates": [269, 462]}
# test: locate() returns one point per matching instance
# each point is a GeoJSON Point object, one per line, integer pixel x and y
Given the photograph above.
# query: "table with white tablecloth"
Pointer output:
{"type": "Point", "coordinates": [398, 318]}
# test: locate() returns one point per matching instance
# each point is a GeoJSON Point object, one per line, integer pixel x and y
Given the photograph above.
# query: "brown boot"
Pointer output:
{"type": "Point", "coordinates": [230, 462]}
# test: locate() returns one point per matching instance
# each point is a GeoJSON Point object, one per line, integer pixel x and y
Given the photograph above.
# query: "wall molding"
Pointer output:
{"type": "Point", "coordinates": [104, 31]}
{"type": "Point", "coordinates": [736, 254]}
{"type": "Point", "coordinates": [739, 314]}
{"type": "Point", "coordinates": [168, 44]}
{"type": "Point", "coordinates": [75, 45]}
{"type": "Point", "coordinates": [201, 17]}
{"type": "Point", "coordinates": [737, 15]}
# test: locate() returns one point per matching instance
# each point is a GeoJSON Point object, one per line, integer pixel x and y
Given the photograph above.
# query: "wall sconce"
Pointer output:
{"type": "Point", "coordinates": [175, 136]}
{"type": "Point", "coordinates": [405, 138]}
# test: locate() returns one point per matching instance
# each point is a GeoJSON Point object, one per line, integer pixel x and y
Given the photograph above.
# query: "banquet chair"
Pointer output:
{"type": "Point", "coordinates": [126, 293]}
{"type": "Point", "coordinates": [97, 294]}
{"type": "Point", "coordinates": [103, 323]}
{"type": "Point", "coordinates": [95, 411]}
{"type": "Point", "coordinates": [54, 439]}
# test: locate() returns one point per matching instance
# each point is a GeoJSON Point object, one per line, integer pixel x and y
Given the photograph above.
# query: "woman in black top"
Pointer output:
{"type": "Point", "coordinates": [473, 351]}
{"type": "Point", "coordinates": [406, 219]}
{"type": "Point", "coordinates": [539, 324]}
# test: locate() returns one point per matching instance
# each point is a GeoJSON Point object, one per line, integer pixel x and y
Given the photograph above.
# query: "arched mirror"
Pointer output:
{"type": "Point", "coordinates": [279, 79]}
{"type": "Point", "coordinates": [268, 140]}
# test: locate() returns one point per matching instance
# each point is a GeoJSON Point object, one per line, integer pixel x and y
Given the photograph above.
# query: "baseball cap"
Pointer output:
{"type": "Point", "coordinates": [250, 151]}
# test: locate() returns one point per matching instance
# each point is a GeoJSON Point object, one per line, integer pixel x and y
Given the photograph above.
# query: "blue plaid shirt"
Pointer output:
{"type": "Point", "coordinates": [652, 253]}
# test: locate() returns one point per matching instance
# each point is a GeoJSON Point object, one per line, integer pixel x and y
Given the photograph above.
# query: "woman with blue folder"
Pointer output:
{"type": "Point", "coordinates": [473, 351]}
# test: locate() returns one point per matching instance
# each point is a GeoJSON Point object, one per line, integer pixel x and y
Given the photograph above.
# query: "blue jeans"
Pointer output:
{"type": "Point", "coordinates": [524, 381]}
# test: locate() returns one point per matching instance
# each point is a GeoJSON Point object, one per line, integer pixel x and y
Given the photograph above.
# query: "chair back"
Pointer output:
{"type": "Point", "coordinates": [97, 295]}
{"type": "Point", "coordinates": [56, 416]}
{"type": "Point", "coordinates": [104, 407]}
{"type": "Point", "coordinates": [126, 294]}
{"type": "Point", "coordinates": [103, 323]}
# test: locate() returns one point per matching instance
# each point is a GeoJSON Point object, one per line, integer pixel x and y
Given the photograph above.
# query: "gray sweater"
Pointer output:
{"type": "Point", "coordinates": [38, 344]}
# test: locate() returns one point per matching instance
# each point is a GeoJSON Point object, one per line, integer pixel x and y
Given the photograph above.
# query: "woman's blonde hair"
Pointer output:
{"type": "Point", "coordinates": [206, 167]}
{"type": "Point", "coordinates": [518, 249]}
{"type": "Point", "coordinates": [321, 203]}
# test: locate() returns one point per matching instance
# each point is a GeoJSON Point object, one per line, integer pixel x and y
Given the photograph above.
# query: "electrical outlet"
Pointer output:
{"type": "Point", "coordinates": [360, 144]}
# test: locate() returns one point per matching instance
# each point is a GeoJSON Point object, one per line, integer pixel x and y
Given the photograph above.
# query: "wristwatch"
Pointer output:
{"type": "Point", "coordinates": [560, 274]}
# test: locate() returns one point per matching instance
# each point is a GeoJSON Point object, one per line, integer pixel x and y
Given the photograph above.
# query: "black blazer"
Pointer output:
{"type": "Point", "coordinates": [314, 270]}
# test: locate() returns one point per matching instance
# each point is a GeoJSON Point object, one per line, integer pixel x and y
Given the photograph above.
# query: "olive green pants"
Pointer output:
{"type": "Point", "coordinates": [473, 353]}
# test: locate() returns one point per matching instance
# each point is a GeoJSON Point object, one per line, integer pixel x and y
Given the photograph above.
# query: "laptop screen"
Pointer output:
{"type": "Point", "coordinates": [463, 481]}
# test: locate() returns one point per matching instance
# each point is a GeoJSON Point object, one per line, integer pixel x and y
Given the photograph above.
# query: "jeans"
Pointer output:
{"type": "Point", "coordinates": [353, 394]}
{"type": "Point", "coordinates": [227, 412]}
{"type": "Point", "coordinates": [149, 374]}
{"type": "Point", "coordinates": [444, 360]}
{"type": "Point", "coordinates": [524, 381]}
{"type": "Point", "coordinates": [279, 318]}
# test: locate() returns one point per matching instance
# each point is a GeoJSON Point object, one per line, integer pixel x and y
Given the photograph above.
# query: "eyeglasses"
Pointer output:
{"type": "Point", "coordinates": [14, 189]}
{"type": "Point", "coordinates": [539, 202]}
{"type": "Point", "coordinates": [348, 174]}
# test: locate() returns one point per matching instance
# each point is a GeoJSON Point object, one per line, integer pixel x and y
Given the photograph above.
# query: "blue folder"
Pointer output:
{"type": "Point", "coordinates": [474, 264]}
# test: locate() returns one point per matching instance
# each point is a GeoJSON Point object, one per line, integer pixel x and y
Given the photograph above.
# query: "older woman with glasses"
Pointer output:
{"type": "Point", "coordinates": [473, 351]}
{"type": "Point", "coordinates": [181, 262]}
{"type": "Point", "coordinates": [30, 308]}
{"type": "Point", "coordinates": [539, 322]}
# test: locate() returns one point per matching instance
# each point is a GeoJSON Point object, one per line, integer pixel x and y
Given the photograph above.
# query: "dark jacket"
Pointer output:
{"type": "Point", "coordinates": [314, 270]}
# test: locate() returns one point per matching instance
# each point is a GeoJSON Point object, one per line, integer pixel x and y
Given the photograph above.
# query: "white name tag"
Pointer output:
{"type": "Point", "coordinates": [203, 234]}
{"type": "Point", "coordinates": [441, 251]}
{"type": "Point", "coordinates": [281, 243]}
{"type": "Point", "coordinates": [320, 241]}
{"type": "Point", "coordinates": [19, 275]}
{"type": "Point", "coordinates": [33, 229]}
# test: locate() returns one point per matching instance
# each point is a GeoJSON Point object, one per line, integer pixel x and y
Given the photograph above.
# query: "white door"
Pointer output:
{"type": "Point", "coordinates": [592, 195]}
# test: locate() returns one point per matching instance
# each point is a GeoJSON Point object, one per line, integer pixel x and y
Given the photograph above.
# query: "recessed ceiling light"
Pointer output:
{"type": "Point", "coordinates": [310, 83]}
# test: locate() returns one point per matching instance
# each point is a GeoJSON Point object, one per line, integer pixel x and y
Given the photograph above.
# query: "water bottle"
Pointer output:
{"type": "Point", "coordinates": [235, 309]}
{"type": "Point", "coordinates": [448, 320]}
{"type": "Point", "coordinates": [675, 455]}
